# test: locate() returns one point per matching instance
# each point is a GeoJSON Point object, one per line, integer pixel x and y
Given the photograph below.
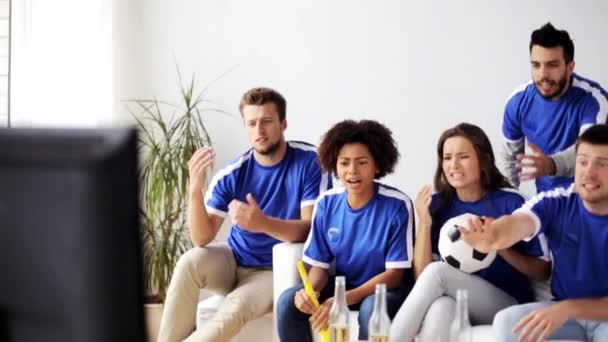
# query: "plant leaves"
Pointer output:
{"type": "Point", "coordinates": [169, 135]}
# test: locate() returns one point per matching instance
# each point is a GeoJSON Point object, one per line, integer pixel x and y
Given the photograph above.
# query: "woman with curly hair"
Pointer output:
{"type": "Point", "coordinates": [466, 181]}
{"type": "Point", "coordinates": [364, 226]}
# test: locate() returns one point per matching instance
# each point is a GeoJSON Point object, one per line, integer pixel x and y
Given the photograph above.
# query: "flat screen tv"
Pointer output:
{"type": "Point", "coordinates": [70, 250]}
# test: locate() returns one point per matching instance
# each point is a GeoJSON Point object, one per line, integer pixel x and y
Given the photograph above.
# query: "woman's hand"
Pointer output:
{"type": "Point", "coordinates": [303, 302]}
{"type": "Point", "coordinates": [423, 202]}
{"type": "Point", "coordinates": [320, 319]}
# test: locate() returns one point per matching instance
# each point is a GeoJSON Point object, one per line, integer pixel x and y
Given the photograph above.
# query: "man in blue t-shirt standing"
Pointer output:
{"type": "Point", "coordinates": [550, 112]}
{"type": "Point", "coordinates": [575, 223]}
{"type": "Point", "coordinates": [268, 193]}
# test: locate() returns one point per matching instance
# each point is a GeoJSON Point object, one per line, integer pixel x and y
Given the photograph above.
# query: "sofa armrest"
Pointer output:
{"type": "Point", "coordinates": [285, 256]}
{"type": "Point", "coordinates": [284, 270]}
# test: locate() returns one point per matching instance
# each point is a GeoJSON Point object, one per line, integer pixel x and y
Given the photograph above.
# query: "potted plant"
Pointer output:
{"type": "Point", "coordinates": [169, 135]}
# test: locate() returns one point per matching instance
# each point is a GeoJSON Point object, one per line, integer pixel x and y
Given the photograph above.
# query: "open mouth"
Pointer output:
{"type": "Point", "coordinates": [590, 186]}
{"type": "Point", "coordinates": [546, 85]}
{"type": "Point", "coordinates": [353, 181]}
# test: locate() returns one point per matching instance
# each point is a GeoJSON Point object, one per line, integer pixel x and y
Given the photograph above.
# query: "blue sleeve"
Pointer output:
{"type": "Point", "coordinates": [401, 238]}
{"type": "Point", "coordinates": [592, 113]}
{"type": "Point", "coordinates": [511, 123]}
{"type": "Point", "coordinates": [219, 195]}
{"type": "Point", "coordinates": [316, 248]}
{"type": "Point", "coordinates": [513, 203]}
{"type": "Point", "coordinates": [315, 182]}
{"type": "Point", "coordinates": [533, 247]}
{"type": "Point", "coordinates": [539, 209]}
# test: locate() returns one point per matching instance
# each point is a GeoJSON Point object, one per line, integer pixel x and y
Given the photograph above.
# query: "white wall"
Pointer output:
{"type": "Point", "coordinates": [61, 63]}
{"type": "Point", "coordinates": [417, 66]}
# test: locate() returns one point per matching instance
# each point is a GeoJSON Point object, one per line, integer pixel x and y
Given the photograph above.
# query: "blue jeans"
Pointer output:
{"type": "Point", "coordinates": [577, 330]}
{"type": "Point", "coordinates": [293, 324]}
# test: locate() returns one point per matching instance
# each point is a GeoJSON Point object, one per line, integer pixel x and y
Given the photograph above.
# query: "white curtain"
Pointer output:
{"type": "Point", "coordinates": [61, 72]}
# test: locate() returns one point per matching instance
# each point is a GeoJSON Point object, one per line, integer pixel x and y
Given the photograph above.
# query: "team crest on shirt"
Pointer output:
{"type": "Point", "coordinates": [333, 234]}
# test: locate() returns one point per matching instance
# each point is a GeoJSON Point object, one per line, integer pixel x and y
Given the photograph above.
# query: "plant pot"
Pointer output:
{"type": "Point", "coordinates": [153, 313]}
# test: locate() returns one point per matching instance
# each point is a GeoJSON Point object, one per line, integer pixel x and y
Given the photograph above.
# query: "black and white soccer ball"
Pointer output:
{"type": "Point", "coordinates": [456, 252]}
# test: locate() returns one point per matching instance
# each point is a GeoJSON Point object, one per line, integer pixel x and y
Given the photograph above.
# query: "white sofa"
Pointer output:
{"type": "Point", "coordinates": [285, 274]}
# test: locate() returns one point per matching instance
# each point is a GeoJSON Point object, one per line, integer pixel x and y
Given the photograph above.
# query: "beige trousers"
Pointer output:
{"type": "Point", "coordinates": [248, 294]}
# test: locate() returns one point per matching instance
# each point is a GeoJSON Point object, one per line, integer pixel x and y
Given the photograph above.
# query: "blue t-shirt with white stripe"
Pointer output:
{"type": "Point", "coordinates": [280, 190]}
{"type": "Point", "coordinates": [578, 240]}
{"type": "Point", "coordinates": [554, 125]}
{"type": "Point", "coordinates": [494, 204]}
{"type": "Point", "coordinates": [363, 242]}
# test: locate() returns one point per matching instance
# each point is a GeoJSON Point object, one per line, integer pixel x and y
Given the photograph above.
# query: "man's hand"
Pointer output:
{"type": "Point", "coordinates": [478, 234]}
{"type": "Point", "coordinates": [248, 215]}
{"type": "Point", "coordinates": [534, 165]}
{"type": "Point", "coordinates": [320, 318]}
{"type": "Point", "coordinates": [303, 302]}
{"type": "Point", "coordinates": [539, 324]}
{"type": "Point", "coordinates": [197, 167]}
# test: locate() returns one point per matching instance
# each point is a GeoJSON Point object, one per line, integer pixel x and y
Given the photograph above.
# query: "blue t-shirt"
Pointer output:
{"type": "Point", "coordinates": [578, 240]}
{"type": "Point", "coordinates": [494, 204]}
{"type": "Point", "coordinates": [363, 242]}
{"type": "Point", "coordinates": [280, 190]}
{"type": "Point", "coordinates": [554, 125]}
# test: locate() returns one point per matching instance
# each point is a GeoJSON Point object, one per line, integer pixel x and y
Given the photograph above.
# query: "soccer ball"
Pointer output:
{"type": "Point", "coordinates": [456, 252]}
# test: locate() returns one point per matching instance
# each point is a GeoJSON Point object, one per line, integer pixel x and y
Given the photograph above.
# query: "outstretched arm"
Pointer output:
{"type": "Point", "coordinates": [494, 235]}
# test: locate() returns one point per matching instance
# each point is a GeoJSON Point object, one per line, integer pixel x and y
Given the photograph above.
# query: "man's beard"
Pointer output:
{"type": "Point", "coordinates": [270, 150]}
{"type": "Point", "coordinates": [561, 84]}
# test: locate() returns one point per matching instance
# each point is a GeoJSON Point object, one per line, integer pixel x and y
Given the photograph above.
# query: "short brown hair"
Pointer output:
{"type": "Point", "coordinates": [594, 135]}
{"type": "Point", "coordinates": [374, 135]}
{"type": "Point", "coordinates": [261, 96]}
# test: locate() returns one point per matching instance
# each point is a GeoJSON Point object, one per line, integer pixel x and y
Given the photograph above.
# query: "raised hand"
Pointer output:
{"type": "Point", "coordinates": [197, 168]}
{"type": "Point", "coordinates": [534, 165]}
{"type": "Point", "coordinates": [423, 202]}
{"type": "Point", "coordinates": [248, 215]}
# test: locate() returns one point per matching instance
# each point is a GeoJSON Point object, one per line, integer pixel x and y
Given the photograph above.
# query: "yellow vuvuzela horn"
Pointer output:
{"type": "Point", "coordinates": [311, 293]}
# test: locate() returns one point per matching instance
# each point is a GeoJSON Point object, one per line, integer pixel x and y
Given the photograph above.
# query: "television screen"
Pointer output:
{"type": "Point", "coordinates": [70, 251]}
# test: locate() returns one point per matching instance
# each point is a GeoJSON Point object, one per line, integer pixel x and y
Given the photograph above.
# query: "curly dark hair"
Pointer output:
{"type": "Point", "coordinates": [378, 139]}
{"type": "Point", "coordinates": [491, 178]}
